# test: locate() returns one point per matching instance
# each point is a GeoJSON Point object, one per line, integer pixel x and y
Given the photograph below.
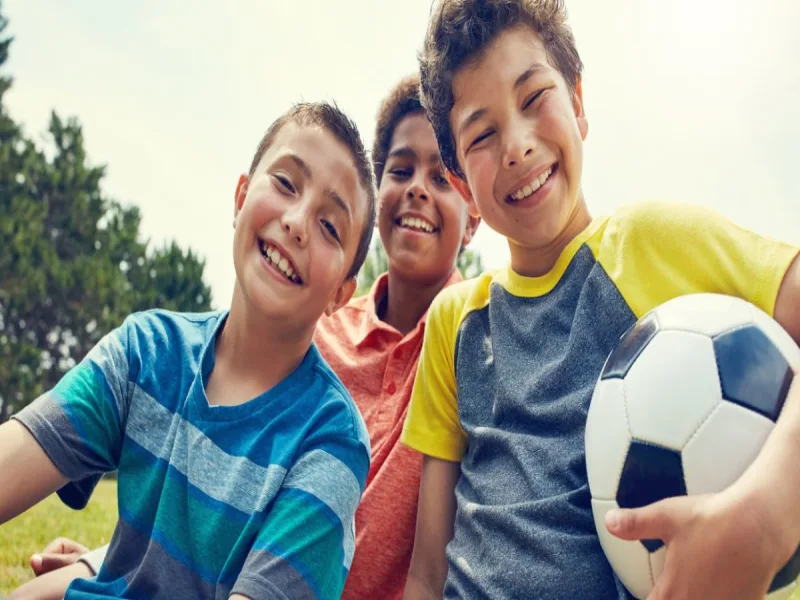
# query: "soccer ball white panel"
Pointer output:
{"type": "Point", "coordinates": [722, 449]}
{"type": "Point", "coordinates": [708, 314]}
{"type": "Point", "coordinates": [671, 388]}
{"type": "Point", "coordinates": [630, 560]}
{"type": "Point", "coordinates": [607, 433]}
{"type": "Point", "coordinates": [779, 337]}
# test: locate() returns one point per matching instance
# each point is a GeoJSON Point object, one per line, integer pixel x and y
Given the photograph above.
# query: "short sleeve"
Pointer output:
{"type": "Point", "coordinates": [305, 546]}
{"type": "Point", "coordinates": [80, 422]}
{"type": "Point", "coordinates": [656, 251]}
{"type": "Point", "coordinates": [432, 426]}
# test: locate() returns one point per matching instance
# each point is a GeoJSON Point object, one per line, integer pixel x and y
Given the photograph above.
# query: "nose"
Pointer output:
{"type": "Point", "coordinates": [417, 189]}
{"type": "Point", "coordinates": [295, 224]}
{"type": "Point", "coordinates": [518, 147]}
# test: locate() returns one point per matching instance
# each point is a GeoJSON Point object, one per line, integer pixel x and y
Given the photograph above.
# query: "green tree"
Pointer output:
{"type": "Point", "coordinates": [470, 263]}
{"type": "Point", "coordinates": [72, 261]}
{"type": "Point", "coordinates": [377, 263]}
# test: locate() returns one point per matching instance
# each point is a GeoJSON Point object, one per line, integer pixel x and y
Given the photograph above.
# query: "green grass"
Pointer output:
{"type": "Point", "coordinates": [32, 530]}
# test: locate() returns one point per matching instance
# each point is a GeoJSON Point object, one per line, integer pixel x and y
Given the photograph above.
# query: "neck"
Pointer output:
{"type": "Point", "coordinates": [259, 349]}
{"type": "Point", "coordinates": [406, 301]}
{"type": "Point", "coordinates": [535, 262]}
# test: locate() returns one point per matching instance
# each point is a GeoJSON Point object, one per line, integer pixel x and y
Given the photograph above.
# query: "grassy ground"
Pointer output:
{"type": "Point", "coordinates": [30, 531]}
{"type": "Point", "coordinates": [92, 527]}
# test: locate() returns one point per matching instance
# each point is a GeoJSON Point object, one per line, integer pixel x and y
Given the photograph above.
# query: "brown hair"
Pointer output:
{"type": "Point", "coordinates": [332, 119]}
{"type": "Point", "coordinates": [460, 31]}
{"type": "Point", "coordinates": [403, 100]}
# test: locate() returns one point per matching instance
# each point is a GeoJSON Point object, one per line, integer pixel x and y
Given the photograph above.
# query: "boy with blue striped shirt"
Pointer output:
{"type": "Point", "coordinates": [241, 457]}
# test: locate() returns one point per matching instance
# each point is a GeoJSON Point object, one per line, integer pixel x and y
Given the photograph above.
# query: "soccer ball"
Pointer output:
{"type": "Point", "coordinates": [682, 406]}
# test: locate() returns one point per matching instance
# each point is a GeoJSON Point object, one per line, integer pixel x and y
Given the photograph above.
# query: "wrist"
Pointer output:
{"type": "Point", "coordinates": [776, 519]}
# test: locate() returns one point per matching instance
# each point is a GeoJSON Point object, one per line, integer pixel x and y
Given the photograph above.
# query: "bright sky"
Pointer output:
{"type": "Point", "coordinates": [690, 100]}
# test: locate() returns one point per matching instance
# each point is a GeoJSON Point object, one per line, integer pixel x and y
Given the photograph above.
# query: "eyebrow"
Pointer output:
{"type": "Point", "coordinates": [476, 115]}
{"type": "Point", "coordinates": [403, 152]}
{"type": "Point", "coordinates": [527, 74]}
{"type": "Point", "coordinates": [332, 194]}
{"type": "Point", "coordinates": [340, 203]}
{"type": "Point", "coordinates": [301, 165]}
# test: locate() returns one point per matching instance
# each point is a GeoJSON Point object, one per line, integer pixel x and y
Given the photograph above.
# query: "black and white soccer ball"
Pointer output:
{"type": "Point", "coordinates": [683, 405]}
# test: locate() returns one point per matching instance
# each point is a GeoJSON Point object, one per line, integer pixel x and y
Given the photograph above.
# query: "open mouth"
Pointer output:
{"type": "Point", "coordinates": [281, 263]}
{"type": "Point", "coordinates": [533, 186]}
{"type": "Point", "coordinates": [416, 224]}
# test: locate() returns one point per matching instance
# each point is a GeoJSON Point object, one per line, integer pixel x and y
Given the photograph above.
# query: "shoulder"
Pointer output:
{"type": "Point", "coordinates": [164, 325]}
{"type": "Point", "coordinates": [456, 301]}
{"type": "Point", "coordinates": [339, 415]}
{"type": "Point", "coordinates": [161, 339]}
{"type": "Point", "coordinates": [344, 323]}
{"type": "Point", "coordinates": [652, 222]}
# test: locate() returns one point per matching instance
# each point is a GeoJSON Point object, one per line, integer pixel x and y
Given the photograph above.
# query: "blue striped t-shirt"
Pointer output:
{"type": "Point", "coordinates": [257, 499]}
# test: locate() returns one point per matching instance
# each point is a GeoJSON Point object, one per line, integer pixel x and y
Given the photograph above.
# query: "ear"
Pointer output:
{"type": "Point", "coordinates": [469, 230]}
{"type": "Point", "coordinates": [462, 187]}
{"type": "Point", "coordinates": [578, 108]}
{"type": "Point", "coordinates": [342, 296]}
{"type": "Point", "coordinates": [239, 196]}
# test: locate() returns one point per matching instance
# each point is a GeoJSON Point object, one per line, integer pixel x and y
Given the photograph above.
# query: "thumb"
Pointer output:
{"type": "Point", "coordinates": [654, 521]}
{"type": "Point", "coordinates": [44, 563]}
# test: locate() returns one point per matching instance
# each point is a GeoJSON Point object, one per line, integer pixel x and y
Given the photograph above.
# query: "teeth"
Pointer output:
{"type": "Point", "coordinates": [415, 223]}
{"type": "Point", "coordinates": [532, 187]}
{"type": "Point", "coordinates": [281, 262]}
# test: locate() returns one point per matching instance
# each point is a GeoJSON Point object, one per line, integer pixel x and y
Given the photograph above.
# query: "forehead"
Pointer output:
{"type": "Point", "coordinates": [415, 132]}
{"type": "Point", "coordinates": [492, 75]}
{"type": "Point", "coordinates": [329, 160]}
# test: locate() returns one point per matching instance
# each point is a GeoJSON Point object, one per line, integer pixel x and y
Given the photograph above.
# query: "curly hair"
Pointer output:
{"type": "Point", "coordinates": [403, 100]}
{"type": "Point", "coordinates": [460, 31]}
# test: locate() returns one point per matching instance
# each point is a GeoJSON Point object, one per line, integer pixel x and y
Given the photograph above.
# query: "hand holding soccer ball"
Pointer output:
{"type": "Point", "coordinates": [683, 406]}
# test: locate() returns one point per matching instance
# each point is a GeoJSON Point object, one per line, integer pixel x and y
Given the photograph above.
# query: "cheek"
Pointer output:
{"type": "Point", "coordinates": [480, 175]}
{"type": "Point", "coordinates": [388, 198]}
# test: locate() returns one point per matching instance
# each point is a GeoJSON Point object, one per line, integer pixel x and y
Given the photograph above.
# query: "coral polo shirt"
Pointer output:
{"type": "Point", "coordinates": [378, 364]}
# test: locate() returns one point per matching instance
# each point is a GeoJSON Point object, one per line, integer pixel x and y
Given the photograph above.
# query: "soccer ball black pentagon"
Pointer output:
{"type": "Point", "coordinates": [683, 405]}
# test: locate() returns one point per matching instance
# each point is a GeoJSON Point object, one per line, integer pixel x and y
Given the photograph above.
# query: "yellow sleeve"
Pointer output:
{"type": "Point", "coordinates": [656, 251]}
{"type": "Point", "coordinates": [432, 425]}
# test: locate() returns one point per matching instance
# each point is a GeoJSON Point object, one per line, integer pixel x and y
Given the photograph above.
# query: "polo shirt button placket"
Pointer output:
{"type": "Point", "coordinates": [391, 388]}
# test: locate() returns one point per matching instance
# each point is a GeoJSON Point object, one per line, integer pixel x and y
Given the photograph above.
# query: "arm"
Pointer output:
{"type": "Point", "coordinates": [70, 432]}
{"type": "Point", "coordinates": [773, 478]}
{"type": "Point", "coordinates": [52, 585]}
{"type": "Point", "coordinates": [29, 475]}
{"type": "Point", "coordinates": [435, 517]}
{"type": "Point", "coordinates": [58, 565]}
{"type": "Point", "coordinates": [757, 514]}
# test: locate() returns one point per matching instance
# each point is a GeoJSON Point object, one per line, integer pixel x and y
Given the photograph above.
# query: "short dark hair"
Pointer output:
{"type": "Point", "coordinates": [461, 30]}
{"type": "Point", "coordinates": [403, 100]}
{"type": "Point", "coordinates": [332, 119]}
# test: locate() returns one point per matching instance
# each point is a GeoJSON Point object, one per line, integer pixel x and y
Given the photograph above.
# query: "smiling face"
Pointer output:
{"type": "Point", "coordinates": [519, 134]}
{"type": "Point", "coordinates": [298, 220]}
{"type": "Point", "coordinates": [422, 220]}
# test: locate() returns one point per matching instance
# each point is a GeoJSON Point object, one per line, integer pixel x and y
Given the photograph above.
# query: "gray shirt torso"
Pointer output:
{"type": "Point", "coordinates": [525, 370]}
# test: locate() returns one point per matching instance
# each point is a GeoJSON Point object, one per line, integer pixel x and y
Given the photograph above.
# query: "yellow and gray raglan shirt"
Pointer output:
{"type": "Point", "coordinates": [507, 370]}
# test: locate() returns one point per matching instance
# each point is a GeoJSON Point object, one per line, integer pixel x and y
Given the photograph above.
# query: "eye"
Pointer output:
{"type": "Point", "coordinates": [285, 183]}
{"type": "Point", "coordinates": [480, 138]}
{"type": "Point", "coordinates": [440, 180]}
{"type": "Point", "coordinates": [331, 229]}
{"type": "Point", "coordinates": [532, 99]}
{"type": "Point", "coordinates": [401, 173]}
